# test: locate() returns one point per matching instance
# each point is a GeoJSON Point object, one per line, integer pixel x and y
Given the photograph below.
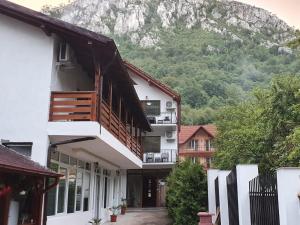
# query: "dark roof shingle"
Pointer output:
{"type": "Point", "coordinates": [13, 161]}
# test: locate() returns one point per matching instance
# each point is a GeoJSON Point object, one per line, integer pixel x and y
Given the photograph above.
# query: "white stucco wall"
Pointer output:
{"type": "Point", "coordinates": [148, 92]}
{"type": "Point", "coordinates": [212, 174]}
{"type": "Point", "coordinates": [26, 66]}
{"type": "Point", "coordinates": [288, 181]}
{"type": "Point", "coordinates": [222, 175]}
{"type": "Point", "coordinates": [245, 173]}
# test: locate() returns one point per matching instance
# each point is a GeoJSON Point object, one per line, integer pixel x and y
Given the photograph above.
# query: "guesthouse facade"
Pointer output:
{"type": "Point", "coordinates": [147, 186]}
{"type": "Point", "coordinates": [68, 103]}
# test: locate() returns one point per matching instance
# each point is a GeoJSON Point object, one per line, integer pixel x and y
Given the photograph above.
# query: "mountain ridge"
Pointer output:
{"type": "Point", "coordinates": [211, 52]}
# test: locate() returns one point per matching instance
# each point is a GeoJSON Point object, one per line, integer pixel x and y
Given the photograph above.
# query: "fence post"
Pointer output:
{"type": "Point", "coordinates": [211, 176]}
{"type": "Point", "coordinates": [245, 173]}
{"type": "Point", "coordinates": [223, 197]}
{"type": "Point", "coordinates": [288, 184]}
{"type": "Point", "coordinates": [205, 218]}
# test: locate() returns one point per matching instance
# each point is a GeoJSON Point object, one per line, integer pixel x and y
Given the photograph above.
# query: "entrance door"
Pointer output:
{"type": "Point", "coordinates": [149, 191]}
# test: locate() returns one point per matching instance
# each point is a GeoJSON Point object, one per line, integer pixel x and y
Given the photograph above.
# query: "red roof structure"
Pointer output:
{"type": "Point", "coordinates": [12, 161]}
{"type": "Point", "coordinates": [187, 132]}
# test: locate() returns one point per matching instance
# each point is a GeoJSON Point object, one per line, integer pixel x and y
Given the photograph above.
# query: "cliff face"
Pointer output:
{"type": "Point", "coordinates": [143, 20]}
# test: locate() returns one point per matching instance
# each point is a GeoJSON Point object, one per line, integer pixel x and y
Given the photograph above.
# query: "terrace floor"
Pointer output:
{"type": "Point", "coordinates": [143, 216]}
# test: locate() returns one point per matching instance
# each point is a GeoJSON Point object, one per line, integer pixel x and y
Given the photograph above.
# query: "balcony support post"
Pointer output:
{"type": "Point", "coordinates": [131, 132]}
{"type": "Point", "coordinates": [120, 114]}
{"type": "Point", "coordinates": [110, 102]}
{"type": "Point", "coordinates": [98, 89]}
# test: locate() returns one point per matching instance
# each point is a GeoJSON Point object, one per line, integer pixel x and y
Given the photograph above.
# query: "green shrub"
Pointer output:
{"type": "Point", "coordinates": [187, 193]}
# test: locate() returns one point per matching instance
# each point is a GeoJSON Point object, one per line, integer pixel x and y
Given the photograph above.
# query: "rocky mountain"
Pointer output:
{"type": "Point", "coordinates": [213, 52]}
{"type": "Point", "coordinates": [142, 19]}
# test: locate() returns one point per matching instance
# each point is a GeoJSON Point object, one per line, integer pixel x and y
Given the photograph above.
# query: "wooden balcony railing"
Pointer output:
{"type": "Point", "coordinates": [82, 106]}
{"type": "Point", "coordinates": [111, 122]}
{"type": "Point", "coordinates": [73, 106]}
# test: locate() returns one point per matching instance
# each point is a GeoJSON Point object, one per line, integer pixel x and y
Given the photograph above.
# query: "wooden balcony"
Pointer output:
{"type": "Point", "coordinates": [83, 106]}
{"type": "Point", "coordinates": [199, 152]}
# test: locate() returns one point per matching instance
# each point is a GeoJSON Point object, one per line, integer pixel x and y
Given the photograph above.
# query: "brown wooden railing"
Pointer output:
{"type": "Point", "coordinates": [82, 106]}
{"type": "Point", "coordinates": [111, 122]}
{"type": "Point", "coordinates": [73, 106]}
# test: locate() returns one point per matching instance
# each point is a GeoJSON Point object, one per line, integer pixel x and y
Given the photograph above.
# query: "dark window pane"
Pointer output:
{"type": "Point", "coordinates": [79, 190]}
{"type": "Point", "coordinates": [151, 107]}
{"type": "Point", "coordinates": [61, 190]}
{"type": "Point", "coordinates": [151, 144]}
{"type": "Point", "coordinates": [52, 193]}
{"type": "Point", "coordinates": [71, 193]}
{"type": "Point", "coordinates": [86, 196]}
{"type": "Point", "coordinates": [64, 158]}
{"type": "Point", "coordinates": [23, 148]}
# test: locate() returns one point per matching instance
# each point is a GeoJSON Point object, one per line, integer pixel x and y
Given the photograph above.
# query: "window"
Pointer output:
{"type": "Point", "coordinates": [23, 148]}
{"type": "Point", "coordinates": [207, 145]}
{"type": "Point", "coordinates": [52, 192]}
{"type": "Point", "coordinates": [73, 190]}
{"type": "Point", "coordinates": [151, 107]}
{"type": "Point", "coordinates": [86, 195]}
{"type": "Point", "coordinates": [151, 144]}
{"type": "Point", "coordinates": [62, 190]}
{"type": "Point", "coordinates": [193, 144]}
{"type": "Point", "coordinates": [79, 189]}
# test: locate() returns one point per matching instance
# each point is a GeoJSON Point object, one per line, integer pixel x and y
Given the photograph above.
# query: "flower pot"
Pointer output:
{"type": "Point", "coordinates": [123, 210]}
{"type": "Point", "coordinates": [113, 218]}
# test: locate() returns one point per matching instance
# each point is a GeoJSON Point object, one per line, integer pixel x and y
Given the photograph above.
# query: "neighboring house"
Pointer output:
{"type": "Point", "coordinates": [196, 143]}
{"type": "Point", "coordinates": [67, 101]}
{"type": "Point", "coordinates": [146, 187]}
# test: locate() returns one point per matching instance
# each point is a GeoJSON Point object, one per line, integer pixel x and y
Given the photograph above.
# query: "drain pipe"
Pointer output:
{"type": "Point", "coordinates": [53, 147]}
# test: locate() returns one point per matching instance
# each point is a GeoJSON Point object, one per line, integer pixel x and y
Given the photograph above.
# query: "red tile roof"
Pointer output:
{"type": "Point", "coordinates": [187, 132]}
{"type": "Point", "coordinates": [13, 162]}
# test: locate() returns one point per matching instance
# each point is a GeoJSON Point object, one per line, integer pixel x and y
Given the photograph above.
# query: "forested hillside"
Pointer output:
{"type": "Point", "coordinates": [212, 52]}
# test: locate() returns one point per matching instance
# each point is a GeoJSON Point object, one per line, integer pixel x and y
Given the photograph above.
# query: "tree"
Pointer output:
{"type": "Point", "coordinates": [187, 193]}
{"type": "Point", "coordinates": [296, 42]}
{"type": "Point", "coordinates": [263, 130]}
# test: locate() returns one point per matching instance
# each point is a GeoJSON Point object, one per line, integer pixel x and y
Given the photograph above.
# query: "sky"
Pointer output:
{"type": "Point", "coordinates": [288, 10]}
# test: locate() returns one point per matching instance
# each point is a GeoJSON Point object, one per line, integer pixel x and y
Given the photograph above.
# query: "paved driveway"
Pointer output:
{"type": "Point", "coordinates": [146, 216]}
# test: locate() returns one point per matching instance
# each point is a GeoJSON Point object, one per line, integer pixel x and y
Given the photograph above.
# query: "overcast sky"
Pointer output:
{"type": "Point", "coordinates": [288, 10]}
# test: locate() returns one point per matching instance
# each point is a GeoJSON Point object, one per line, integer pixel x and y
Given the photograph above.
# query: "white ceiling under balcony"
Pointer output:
{"type": "Point", "coordinates": [105, 149]}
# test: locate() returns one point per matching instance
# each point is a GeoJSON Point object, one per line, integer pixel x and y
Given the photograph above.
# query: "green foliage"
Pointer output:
{"type": "Point", "coordinates": [263, 130]}
{"type": "Point", "coordinates": [187, 193]}
{"type": "Point", "coordinates": [296, 42]}
{"type": "Point", "coordinates": [209, 78]}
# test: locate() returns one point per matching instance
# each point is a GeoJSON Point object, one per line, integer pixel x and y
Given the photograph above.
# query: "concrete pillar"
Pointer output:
{"type": "Point", "coordinates": [212, 174]}
{"type": "Point", "coordinates": [288, 184]}
{"type": "Point", "coordinates": [222, 175]}
{"type": "Point", "coordinates": [205, 218]}
{"type": "Point", "coordinates": [245, 173]}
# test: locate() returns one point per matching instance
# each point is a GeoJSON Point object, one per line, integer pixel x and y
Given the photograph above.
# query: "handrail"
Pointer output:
{"type": "Point", "coordinates": [82, 106]}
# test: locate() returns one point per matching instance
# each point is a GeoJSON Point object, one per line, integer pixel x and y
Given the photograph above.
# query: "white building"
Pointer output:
{"type": "Point", "coordinates": [146, 187]}
{"type": "Point", "coordinates": [65, 89]}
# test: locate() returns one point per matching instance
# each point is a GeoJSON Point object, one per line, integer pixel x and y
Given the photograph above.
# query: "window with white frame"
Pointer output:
{"type": "Point", "coordinates": [72, 193]}
{"type": "Point", "coordinates": [193, 144]}
{"type": "Point", "coordinates": [106, 189]}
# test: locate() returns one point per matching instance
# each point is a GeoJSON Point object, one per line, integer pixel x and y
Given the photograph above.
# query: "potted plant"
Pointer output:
{"type": "Point", "coordinates": [95, 221]}
{"type": "Point", "coordinates": [123, 206]}
{"type": "Point", "coordinates": [114, 210]}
